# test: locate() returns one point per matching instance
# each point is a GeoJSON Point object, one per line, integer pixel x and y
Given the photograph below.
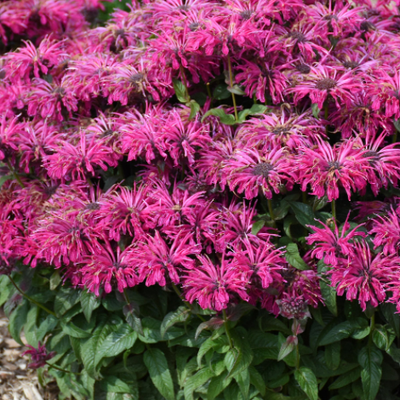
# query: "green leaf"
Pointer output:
{"type": "Point", "coordinates": [6, 178]}
{"type": "Point", "coordinates": [332, 355]}
{"type": "Point", "coordinates": [315, 110]}
{"type": "Point", "coordinates": [227, 119]}
{"type": "Point", "coordinates": [180, 91]}
{"type": "Point", "coordinates": [346, 378]}
{"type": "Point", "coordinates": [30, 328]}
{"type": "Point", "coordinates": [221, 92]}
{"type": "Point", "coordinates": [303, 213]}
{"type": "Point", "coordinates": [116, 342]}
{"type": "Point", "coordinates": [5, 289]}
{"type": "Point", "coordinates": [46, 326]}
{"type": "Point", "coordinates": [329, 295]}
{"type": "Point", "coordinates": [257, 380]}
{"type": "Point", "coordinates": [391, 316]}
{"type": "Point", "coordinates": [132, 319]}
{"type": "Point", "coordinates": [89, 303]}
{"type": "Point", "coordinates": [370, 359]}
{"type": "Point", "coordinates": [235, 89]}
{"type": "Point", "coordinates": [195, 381]}
{"type": "Point", "coordinates": [380, 337]}
{"type": "Point", "coordinates": [65, 299]}
{"type": "Point", "coordinates": [55, 280]}
{"type": "Point", "coordinates": [72, 330]}
{"type": "Point", "coordinates": [307, 381]}
{"type": "Point", "coordinates": [396, 123]}
{"type": "Point", "coordinates": [240, 357]}
{"type": "Point", "coordinates": [157, 364]}
{"type": "Point", "coordinates": [335, 332]}
{"type": "Point", "coordinates": [210, 343]}
{"type": "Point", "coordinates": [243, 380]}
{"type": "Point", "coordinates": [194, 108]}
{"type": "Point", "coordinates": [115, 385]}
{"type": "Point", "coordinates": [287, 347]}
{"type": "Point", "coordinates": [217, 385]}
{"type": "Point", "coordinates": [257, 226]}
{"type": "Point", "coordinates": [174, 317]}
{"type": "Point", "coordinates": [17, 321]}
{"type": "Point", "coordinates": [293, 257]}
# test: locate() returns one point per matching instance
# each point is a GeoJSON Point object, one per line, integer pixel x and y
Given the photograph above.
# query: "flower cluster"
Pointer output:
{"type": "Point", "coordinates": [117, 177]}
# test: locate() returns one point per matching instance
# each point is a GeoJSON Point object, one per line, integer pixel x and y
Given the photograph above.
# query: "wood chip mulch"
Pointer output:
{"type": "Point", "coordinates": [17, 382]}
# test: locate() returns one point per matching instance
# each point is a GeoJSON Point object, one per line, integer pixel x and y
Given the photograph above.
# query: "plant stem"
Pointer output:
{"type": "Point", "coordinates": [271, 212]}
{"type": "Point", "coordinates": [297, 356]}
{"type": "Point", "coordinates": [62, 370]}
{"type": "Point", "coordinates": [231, 85]}
{"type": "Point", "coordinates": [333, 205]}
{"type": "Point", "coordinates": [209, 91]}
{"type": "Point", "coordinates": [227, 329]}
{"type": "Point", "coordinates": [371, 327]}
{"type": "Point", "coordinates": [304, 197]}
{"type": "Point", "coordinates": [30, 298]}
{"type": "Point", "coordinates": [17, 177]}
{"type": "Point", "coordinates": [326, 110]}
{"type": "Point", "coordinates": [184, 81]}
{"type": "Point", "coordinates": [187, 304]}
{"type": "Point", "coordinates": [395, 137]}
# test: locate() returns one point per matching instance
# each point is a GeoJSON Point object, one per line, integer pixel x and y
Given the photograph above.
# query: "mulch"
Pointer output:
{"type": "Point", "coordinates": [17, 381]}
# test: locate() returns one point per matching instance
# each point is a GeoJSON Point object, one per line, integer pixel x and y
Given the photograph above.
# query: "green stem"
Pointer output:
{"type": "Point", "coordinates": [297, 356]}
{"type": "Point", "coordinates": [395, 137]}
{"type": "Point", "coordinates": [304, 197]}
{"type": "Point", "coordinates": [231, 85]}
{"type": "Point", "coordinates": [62, 370]}
{"type": "Point", "coordinates": [326, 110]}
{"type": "Point", "coordinates": [17, 177]}
{"type": "Point", "coordinates": [184, 81]}
{"type": "Point", "coordinates": [188, 305]}
{"type": "Point", "coordinates": [227, 329]}
{"type": "Point", "coordinates": [30, 298]}
{"type": "Point", "coordinates": [371, 327]}
{"type": "Point", "coordinates": [209, 91]}
{"type": "Point", "coordinates": [271, 212]}
{"type": "Point", "coordinates": [333, 205]}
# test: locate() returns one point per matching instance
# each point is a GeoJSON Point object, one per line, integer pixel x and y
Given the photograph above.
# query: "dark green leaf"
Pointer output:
{"type": "Point", "coordinates": [172, 318]}
{"type": "Point", "coordinates": [257, 380]}
{"type": "Point", "coordinates": [132, 319]}
{"type": "Point", "coordinates": [17, 321]}
{"type": "Point", "coordinates": [391, 316]}
{"type": "Point", "coordinates": [331, 334]}
{"type": "Point", "coordinates": [332, 355]}
{"type": "Point", "coordinates": [65, 299]}
{"type": "Point", "coordinates": [293, 257]}
{"type": "Point", "coordinates": [346, 378]}
{"type": "Point", "coordinates": [89, 303]}
{"type": "Point", "coordinates": [370, 359]}
{"type": "Point", "coordinates": [46, 326]}
{"type": "Point", "coordinates": [257, 226]}
{"type": "Point", "coordinates": [307, 381]}
{"type": "Point", "coordinates": [112, 384]}
{"type": "Point", "coordinates": [72, 330]}
{"type": "Point", "coordinates": [243, 381]}
{"type": "Point", "coordinates": [6, 178]}
{"type": "Point", "coordinates": [380, 337]}
{"type": "Point", "coordinates": [221, 92]}
{"type": "Point", "coordinates": [217, 385]}
{"type": "Point", "coordinates": [180, 91]}
{"type": "Point", "coordinates": [194, 108]}
{"type": "Point", "coordinates": [157, 365]}
{"type": "Point", "coordinates": [303, 213]}
{"type": "Point", "coordinates": [195, 381]}
{"type": "Point", "coordinates": [329, 295]}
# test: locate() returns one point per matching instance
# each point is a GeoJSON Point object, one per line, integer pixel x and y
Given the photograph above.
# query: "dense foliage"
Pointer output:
{"type": "Point", "coordinates": [199, 199]}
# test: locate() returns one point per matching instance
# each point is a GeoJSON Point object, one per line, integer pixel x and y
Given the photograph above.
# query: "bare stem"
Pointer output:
{"type": "Point", "coordinates": [333, 205]}
{"type": "Point", "coordinates": [271, 212]}
{"type": "Point", "coordinates": [30, 298]}
{"type": "Point", "coordinates": [17, 177]}
{"type": "Point", "coordinates": [231, 85]}
{"type": "Point", "coordinates": [62, 370]}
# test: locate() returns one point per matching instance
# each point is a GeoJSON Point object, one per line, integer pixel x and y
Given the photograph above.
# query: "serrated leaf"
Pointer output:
{"type": "Point", "coordinates": [257, 380]}
{"type": "Point", "coordinates": [293, 257]}
{"type": "Point", "coordinates": [46, 326]}
{"type": "Point", "coordinates": [227, 119]}
{"type": "Point", "coordinates": [303, 213]}
{"type": "Point", "coordinates": [113, 384]}
{"type": "Point", "coordinates": [257, 226]}
{"type": "Point", "coordinates": [370, 359]}
{"type": "Point", "coordinates": [331, 334]}
{"type": "Point", "coordinates": [380, 337]}
{"type": "Point", "coordinates": [157, 365]}
{"type": "Point", "coordinates": [180, 91]}
{"type": "Point", "coordinates": [243, 381]}
{"type": "Point", "coordinates": [89, 303]}
{"type": "Point", "coordinates": [217, 385]}
{"type": "Point", "coordinates": [332, 355]}
{"type": "Point", "coordinates": [72, 330]}
{"type": "Point", "coordinates": [55, 280]}
{"type": "Point", "coordinates": [65, 299]}
{"type": "Point", "coordinates": [195, 381]}
{"type": "Point", "coordinates": [329, 296]}
{"type": "Point", "coordinates": [307, 381]}
{"type": "Point", "coordinates": [174, 317]}
{"type": "Point", "coordinates": [132, 319]}
{"type": "Point", "coordinates": [239, 358]}
{"type": "Point", "coordinates": [346, 378]}
{"type": "Point", "coordinates": [391, 316]}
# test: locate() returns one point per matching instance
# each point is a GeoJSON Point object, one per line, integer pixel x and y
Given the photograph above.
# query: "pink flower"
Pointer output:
{"type": "Point", "coordinates": [293, 307]}
{"type": "Point", "coordinates": [39, 356]}
{"type": "Point", "coordinates": [105, 269]}
{"type": "Point", "coordinates": [251, 171]}
{"type": "Point", "coordinates": [328, 168]}
{"type": "Point", "coordinates": [366, 277]}
{"type": "Point", "coordinates": [215, 286]}
{"type": "Point", "coordinates": [158, 262]}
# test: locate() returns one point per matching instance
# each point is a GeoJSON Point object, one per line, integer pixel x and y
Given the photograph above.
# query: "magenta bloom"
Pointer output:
{"type": "Point", "coordinates": [215, 286]}
{"type": "Point", "coordinates": [293, 307]}
{"type": "Point", "coordinates": [325, 80]}
{"type": "Point", "coordinates": [105, 269]}
{"type": "Point", "coordinates": [39, 356]}
{"type": "Point", "coordinates": [366, 277]}
{"type": "Point", "coordinates": [251, 171]}
{"type": "Point", "coordinates": [158, 262]}
{"type": "Point", "coordinates": [332, 246]}
{"type": "Point", "coordinates": [326, 168]}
